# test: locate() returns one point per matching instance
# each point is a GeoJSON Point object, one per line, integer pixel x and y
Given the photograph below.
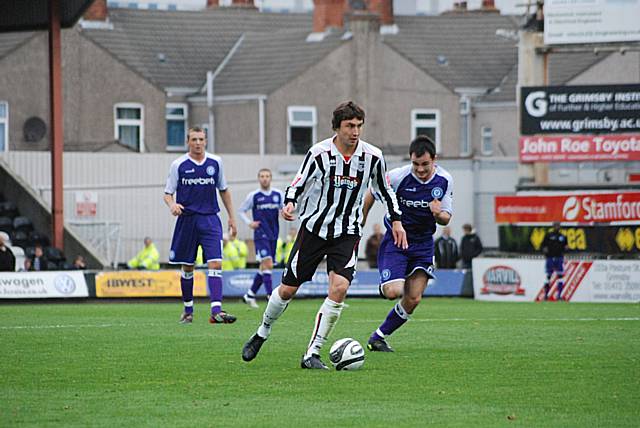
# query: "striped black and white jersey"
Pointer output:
{"type": "Point", "coordinates": [328, 190]}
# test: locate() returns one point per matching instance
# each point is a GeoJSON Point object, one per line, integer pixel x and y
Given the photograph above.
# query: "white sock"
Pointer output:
{"type": "Point", "coordinates": [326, 319]}
{"type": "Point", "coordinates": [275, 308]}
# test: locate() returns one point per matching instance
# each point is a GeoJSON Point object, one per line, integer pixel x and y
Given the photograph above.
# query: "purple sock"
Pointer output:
{"type": "Point", "coordinates": [257, 282]}
{"type": "Point", "coordinates": [396, 317]}
{"type": "Point", "coordinates": [186, 284]}
{"type": "Point", "coordinates": [266, 275]}
{"type": "Point", "coordinates": [214, 282]}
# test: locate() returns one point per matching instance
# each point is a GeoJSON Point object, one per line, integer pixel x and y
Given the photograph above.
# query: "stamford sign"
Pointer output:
{"type": "Point", "coordinates": [585, 110]}
{"type": "Point", "coordinates": [574, 208]}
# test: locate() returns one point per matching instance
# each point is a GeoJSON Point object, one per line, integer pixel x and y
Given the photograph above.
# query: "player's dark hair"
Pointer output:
{"type": "Point", "coordinates": [422, 144]}
{"type": "Point", "coordinates": [346, 111]}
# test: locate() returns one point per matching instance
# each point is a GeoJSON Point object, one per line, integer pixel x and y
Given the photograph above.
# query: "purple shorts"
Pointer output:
{"type": "Point", "coordinates": [265, 249]}
{"type": "Point", "coordinates": [395, 263]}
{"type": "Point", "coordinates": [194, 230]}
{"type": "Point", "coordinates": [554, 264]}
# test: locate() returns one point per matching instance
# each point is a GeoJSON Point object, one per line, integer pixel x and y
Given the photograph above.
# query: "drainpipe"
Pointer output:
{"type": "Point", "coordinates": [211, 77]}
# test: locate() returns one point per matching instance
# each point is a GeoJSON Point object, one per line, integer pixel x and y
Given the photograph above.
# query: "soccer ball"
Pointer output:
{"type": "Point", "coordinates": [346, 354]}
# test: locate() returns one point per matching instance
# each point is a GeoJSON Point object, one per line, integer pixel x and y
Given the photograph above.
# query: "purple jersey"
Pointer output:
{"type": "Point", "coordinates": [265, 207]}
{"type": "Point", "coordinates": [414, 196]}
{"type": "Point", "coordinates": [196, 183]}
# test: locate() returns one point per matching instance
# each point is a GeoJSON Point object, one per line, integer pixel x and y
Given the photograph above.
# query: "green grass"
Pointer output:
{"type": "Point", "coordinates": [457, 363]}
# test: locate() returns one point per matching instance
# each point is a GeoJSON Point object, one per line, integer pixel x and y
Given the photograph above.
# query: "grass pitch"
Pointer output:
{"type": "Point", "coordinates": [457, 363]}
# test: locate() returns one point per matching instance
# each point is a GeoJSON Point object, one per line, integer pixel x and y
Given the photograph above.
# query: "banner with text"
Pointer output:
{"type": "Point", "coordinates": [578, 148]}
{"type": "Point", "coordinates": [587, 109]}
{"type": "Point", "coordinates": [38, 285]}
{"type": "Point", "coordinates": [605, 239]}
{"type": "Point", "coordinates": [591, 21]}
{"type": "Point", "coordinates": [138, 283]}
{"type": "Point", "coordinates": [574, 208]}
{"type": "Point", "coordinates": [522, 280]}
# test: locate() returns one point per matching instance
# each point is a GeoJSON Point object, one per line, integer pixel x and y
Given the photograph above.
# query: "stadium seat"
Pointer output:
{"type": "Point", "coordinates": [8, 209]}
{"type": "Point", "coordinates": [52, 265]}
{"type": "Point", "coordinates": [6, 224]}
{"type": "Point", "coordinates": [54, 255]}
{"type": "Point", "coordinates": [20, 238]}
{"type": "Point", "coordinates": [18, 253]}
{"type": "Point", "coordinates": [29, 251]}
{"type": "Point", "coordinates": [38, 238]}
{"type": "Point", "coordinates": [23, 224]}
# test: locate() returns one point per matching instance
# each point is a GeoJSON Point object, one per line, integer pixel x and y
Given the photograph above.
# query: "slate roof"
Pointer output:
{"type": "Point", "coordinates": [11, 41]}
{"type": "Point", "coordinates": [192, 42]}
{"type": "Point", "coordinates": [264, 63]}
{"type": "Point", "coordinates": [177, 48]}
{"type": "Point", "coordinates": [475, 56]}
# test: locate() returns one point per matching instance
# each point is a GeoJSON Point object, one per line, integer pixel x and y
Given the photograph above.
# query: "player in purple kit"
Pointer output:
{"type": "Point", "coordinates": [190, 194]}
{"type": "Point", "coordinates": [425, 195]}
{"type": "Point", "coordinates": [264, 204]}
{"type": "Point", "coordinates": [553, 247]}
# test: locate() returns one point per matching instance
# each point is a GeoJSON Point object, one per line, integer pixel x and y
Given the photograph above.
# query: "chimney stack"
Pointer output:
{"type": "Point", "coordinates": [384, 8]}
{"type": "Point", "coordinates": [97, 11]}
{"type": "Point", "coordinates": [242, 3]}
{"type": "Point", "coordinates": [489, 6]}
{"type": "Point", "coordinates": [212, 3]}
{"type": "Point", "coordinates": [328, 13]}
{"type": "Point", "coordinates": [460, 6]}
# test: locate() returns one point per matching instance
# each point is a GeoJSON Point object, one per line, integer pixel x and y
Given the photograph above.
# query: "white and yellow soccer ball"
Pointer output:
{"type": "Point", "coordinates": [346, 354]}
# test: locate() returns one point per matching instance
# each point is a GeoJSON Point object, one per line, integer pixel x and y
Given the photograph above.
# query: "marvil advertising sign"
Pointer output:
{"type": "Point", "coordinates": [592, 109]}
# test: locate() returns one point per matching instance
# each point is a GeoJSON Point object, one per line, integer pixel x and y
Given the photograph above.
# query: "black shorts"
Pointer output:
{"type": "Point", "coordinates": [308, 251]}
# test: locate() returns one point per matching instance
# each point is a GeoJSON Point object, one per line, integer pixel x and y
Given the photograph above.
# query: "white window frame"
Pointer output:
{"type": "Point", "coordinates": [291, 122]}
{"type": "Point", "coordinates": [129, 122]}
{"type": "Point", "coordinates": [426, 123]}
{"type": "Point", "coordinates": [486, 132]}
{"type": "Point", "coordinates": [5, 121]}
{"type": "Point", "coordinates": [176, 117]}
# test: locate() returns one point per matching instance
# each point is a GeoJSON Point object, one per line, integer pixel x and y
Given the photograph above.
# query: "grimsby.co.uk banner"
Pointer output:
{"type": "Point", "coordinates": [572, 208]}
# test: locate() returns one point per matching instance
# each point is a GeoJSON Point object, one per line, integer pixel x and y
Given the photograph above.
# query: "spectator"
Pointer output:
{"type": "Point", "coordinates": [242, 253]}
{"type": "Point", "coordinates": [38, 261]}
{"type": "Point", "coordinates": [79, 263]}
{"type": "Point", "coordinates": [7, 259]}
{"type": "Point", "coordinates": [446, 250]}
{"type": "Point", "coordinates": [373, 243]}
{"type": "Point", "coordinates": [553, 247]}
{"type": "Point", "coordinates": [148, 258]}
{"type": "Point", "coordinates": [470, 246]}
{"type": "Point", "coordinates": [288, 245]}
{"type": "Point", "coordinates": [229, 254]}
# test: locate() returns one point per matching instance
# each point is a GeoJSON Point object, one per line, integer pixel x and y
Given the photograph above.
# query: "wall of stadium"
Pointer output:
{"type": "Point", "coordinates": [129, 188]}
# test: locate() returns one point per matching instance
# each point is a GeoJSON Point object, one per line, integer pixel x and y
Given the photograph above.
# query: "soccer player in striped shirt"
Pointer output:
{"type": "Point", "coordinates": [265, 204]}
{"type": "Point", "coordinates": [191, 195]}
{"type": "Point", "coordinates": [425, 194]}
{"type": "Point", "coordinates": [328, 192]}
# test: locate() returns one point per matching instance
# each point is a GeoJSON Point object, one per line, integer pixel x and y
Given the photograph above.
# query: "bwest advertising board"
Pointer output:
{"type": "Point", "coordinates": [39, 285]}
{"type": "Point", "coordinates": [522, 280]}
{"type": "Point", "coordinates": [591, 21]}
{"type": "Point", "coordinates": [138, 283]}
{"type": "Point", "coordinates": [580, 123]}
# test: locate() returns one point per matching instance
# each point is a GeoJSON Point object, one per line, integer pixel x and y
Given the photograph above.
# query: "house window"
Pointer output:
{"type": "Point", "coordinates": [302, 121]}
{"type": "Point", "coordinates": [129, 125]}
{"type": "Point", "coordinates": [4, 126]}
{"type": "Point", "coordinates": [176, 115]}
{"type": "Point", "coordinates": [486, 140]}
{"type": "Point", "coordinates": [426, 122]}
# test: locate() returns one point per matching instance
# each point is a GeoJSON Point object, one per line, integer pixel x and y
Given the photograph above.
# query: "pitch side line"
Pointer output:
{"type": "Point", "coordinates": [510, 319]}
{"type": "Point", "coordinates": [61, 326]}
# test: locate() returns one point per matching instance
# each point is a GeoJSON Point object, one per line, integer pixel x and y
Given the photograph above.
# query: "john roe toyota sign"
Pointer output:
{"type": "Point", "coordinates": [580, 123]}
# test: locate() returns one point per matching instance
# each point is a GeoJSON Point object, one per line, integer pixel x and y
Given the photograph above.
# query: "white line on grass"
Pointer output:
{"type": "Point", "coordinates": [55, 326]}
